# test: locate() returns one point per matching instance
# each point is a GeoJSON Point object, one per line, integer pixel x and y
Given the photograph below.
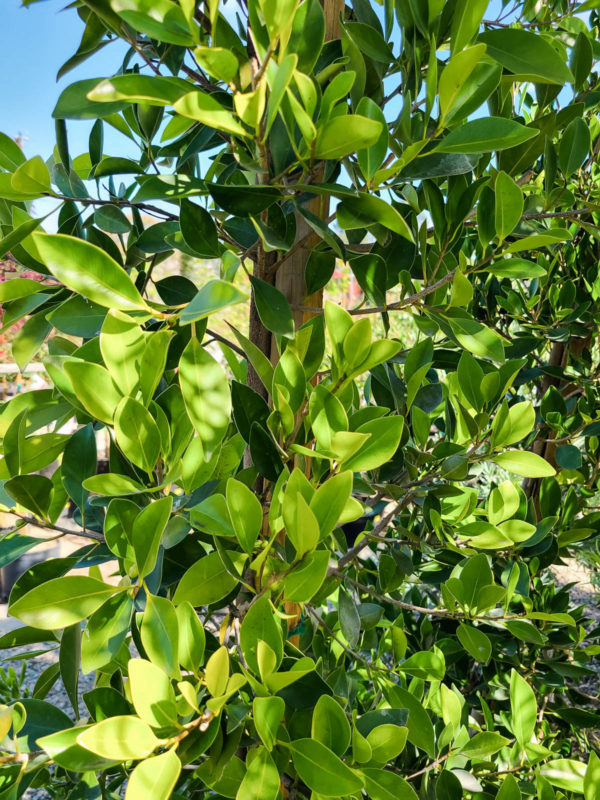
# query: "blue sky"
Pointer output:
{"type": "Point", "coordinates": [36, 41]}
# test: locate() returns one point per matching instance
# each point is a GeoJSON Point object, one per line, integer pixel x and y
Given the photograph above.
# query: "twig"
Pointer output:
{"type": "Point", "coordinates": [428, 768]}
{"type": "Point", "coordinates": [116, 201]}
{"type": "Point", "coordinates": [217, 337]}
{"type": "Point", "coordinates": [97, 537]}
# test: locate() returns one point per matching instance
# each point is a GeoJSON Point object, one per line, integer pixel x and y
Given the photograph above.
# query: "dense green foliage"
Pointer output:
{"type": "Point", "coordinates": [445, 154]}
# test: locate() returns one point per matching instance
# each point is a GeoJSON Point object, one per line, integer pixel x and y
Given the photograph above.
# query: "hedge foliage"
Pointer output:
{"type": "Point", "coordinates": [319, 564]}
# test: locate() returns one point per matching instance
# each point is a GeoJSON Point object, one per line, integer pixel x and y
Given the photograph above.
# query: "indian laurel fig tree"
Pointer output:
{"type": "Point", "coordinates": [325, 281]}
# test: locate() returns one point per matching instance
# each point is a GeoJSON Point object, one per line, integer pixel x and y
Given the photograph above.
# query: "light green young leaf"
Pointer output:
{"type": "Point", "coordinates": [152, 694]}
{"type": "Point", "coordinates": [214, 296]}
{"type": "Point", "coordinates": [192, 639]}
{"type": "Point", "coordinates": [261, 781]}
{"type": "Point", "coordinates": [268, 713]}
{"type": "Point", "coordinates": [330, 725]}
{"type": "Point", "coordinates": [454, 75]}
{"type": "Point", "coordinates": [159, 19]}
{"type": "Point", "coordinates": [521, 462]}
{"type": "Point", "coordinates": [343, 135]}
{"type": "Point", "coordinates": [155, 777]}
{"type": "Point", "coordinates": [120, 738]}
{"type": "Point", "coordinates": [206, 109]}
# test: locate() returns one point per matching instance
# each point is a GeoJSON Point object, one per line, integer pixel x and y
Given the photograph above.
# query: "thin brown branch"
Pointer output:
{"type": "Point", "coordinates": [38, 523]}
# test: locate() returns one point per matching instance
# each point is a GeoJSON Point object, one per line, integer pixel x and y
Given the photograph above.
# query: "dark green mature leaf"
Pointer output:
{"type": "Point", "coordinates": [78, 463]}
{"type": "Point", "coordinates": [74, 103]}
{"type": "Point", "coordinates": [244, 200]}
{"type": "Point", "coordinates": [485, 135]}
{"type": "Point", "coordinates": [198, 229]}
{"type": "Point", "coordinates": [34, 492]}
{"type": "Point", "coordinates": [367, 209]}
{"type": "Point", "coordinates": [13, 546]}
{"type": "Point", "coordinates": [574, 146]}
{"type": "Point", "coordinates": [529, 55]}
{"type": "Point", "coordinates": [42, 719]}
{"type": "Point", "coordinates": [273, 308]}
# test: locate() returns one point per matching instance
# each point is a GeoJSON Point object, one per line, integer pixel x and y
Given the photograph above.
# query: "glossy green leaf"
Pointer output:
{"type": "Point", "coordinates": [486, 135]}
{"type": "Point", "coordinates": [509, 205]}
{"type": "Point", "coordinates": [206, 582]}
{"type": "Point", "coordinates": [273, 308]}
{"type": "Point", "coordinates": [261, 781]}
{"type": "Point", "coordinates": [160, 19]}
{"type": "Point", "coordinates": [206, 394]}
{"type": "Point", "coordinates": [268, 713]}
{"type": "Point", "coordinates": [322, 771]}
{"type": "Point", "coordinates": [192, 639]}
{"type": "Point", "coordinates": [88, 270]}
{"type": "Point", "coordinates": [517, 268]}
{"type": "Point", "coordinates": [206, 109]}
{"type": "Point", "coordinates": [160, 634]}
{"type": "Point", "coordinates": [214, 296]}
{"type": "Point", "coordinates": [260, 625]}
{"type": "Point", "coordinates": [574, 146]}
{"type": "Point", "coordinates": [152, 694]}
{"type": "Point", "coordinates": [341, 136]}
{"type": "Point", "coordinates": [367, 209]}
{"type": "Point", "coordinates": [385, 785]}
{"type": "Point", "coordinates": [475, 642]}
{"type": "Point", "coordinates": [246, 513]}
{"type": "Point", "coordinates": [120, 738]}
{"type": "Point", "coordinates": [529, 55]}
{"type": "Point", "coordinates": [330, 726]}
{"type": "Point", "coordinates": [156, 776]}
{"type": "Point", "coordinates": [147, 531]}
{"type": "Point", "coordinates": [137, 434]}
{"type": "Point", "coordinates": [150, 89]}
{"type": "Point", "coordinates": [521, 462]}
{"type": "Point", "coordinates": [523, 708]}
{"type": "Point", "coordinates": [61, 602]}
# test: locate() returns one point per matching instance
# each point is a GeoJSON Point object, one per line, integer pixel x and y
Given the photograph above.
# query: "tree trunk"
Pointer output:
{"type": "Point", "coordinates": [289, 278]}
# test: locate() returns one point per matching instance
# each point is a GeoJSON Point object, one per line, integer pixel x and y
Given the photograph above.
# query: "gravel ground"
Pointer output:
{"type": "Point", "coordinates": [57, 696]}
